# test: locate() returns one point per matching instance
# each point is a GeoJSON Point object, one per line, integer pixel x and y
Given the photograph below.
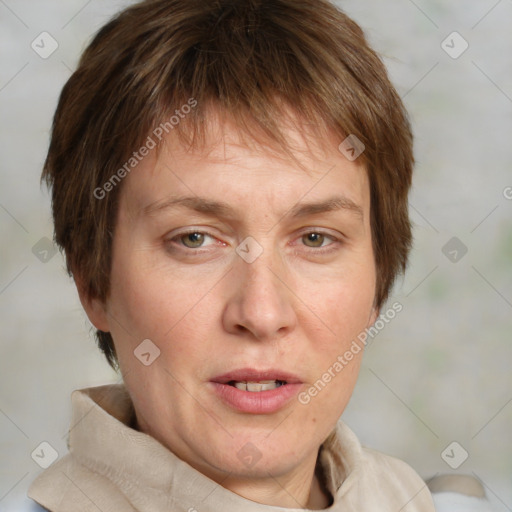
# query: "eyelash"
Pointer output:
{"type": "Point", "coordinates": [200, 250]}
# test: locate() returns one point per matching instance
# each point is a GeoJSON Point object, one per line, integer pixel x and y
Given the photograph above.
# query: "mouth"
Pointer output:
{"type": "Point", "coordinates": [255, 387]}
{"type": "Point", "coordinates": [256, 391]}
{"type": "Point", "coordinates": [250, 379]}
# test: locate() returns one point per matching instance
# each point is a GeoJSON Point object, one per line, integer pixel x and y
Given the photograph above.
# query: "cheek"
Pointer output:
{"type": "Point", "coordinates": [338, 313]}
{"type": "Point", "coordinates": [341, 307]}
{"type": "Point", "coordinates": [174, 312]}
{"type": "Point", "coordinates": [323, 401]}
{"type": "Point", "coordinates": [148, 300]}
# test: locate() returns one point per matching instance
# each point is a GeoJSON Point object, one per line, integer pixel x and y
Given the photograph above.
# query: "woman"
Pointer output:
{"type": "Point", "coordinates": [230, 187]}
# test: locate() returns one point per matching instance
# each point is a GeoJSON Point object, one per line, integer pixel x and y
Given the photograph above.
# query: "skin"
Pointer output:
{"type": "Point", "coordinates": [297, 307]}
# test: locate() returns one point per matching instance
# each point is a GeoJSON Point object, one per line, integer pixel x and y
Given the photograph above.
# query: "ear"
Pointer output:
{"type": "Point", "coordinates": [95, 308]}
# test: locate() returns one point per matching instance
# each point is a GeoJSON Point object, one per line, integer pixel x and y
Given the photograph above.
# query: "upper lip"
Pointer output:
{"type": "Point", "coordinates": [253, 375]}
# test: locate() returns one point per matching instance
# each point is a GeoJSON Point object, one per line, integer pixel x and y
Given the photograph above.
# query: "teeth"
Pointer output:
{"type": "Point", "coordinates": [263, 385]}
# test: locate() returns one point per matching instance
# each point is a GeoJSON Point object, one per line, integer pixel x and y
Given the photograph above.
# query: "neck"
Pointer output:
{"type": "Point", "coordinates": [302, 490]}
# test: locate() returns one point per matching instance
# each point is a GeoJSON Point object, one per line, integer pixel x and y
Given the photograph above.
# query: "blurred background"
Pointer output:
{"type": "Point", "coordinates": [436, 385]}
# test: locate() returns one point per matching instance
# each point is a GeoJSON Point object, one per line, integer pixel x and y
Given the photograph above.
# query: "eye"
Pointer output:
{"type": "Point", "coordinates": [316, 239]}
{"type": "Point", "coordinates": [191, 239]}
{"type": "Point", "coordinates": [195, 239]}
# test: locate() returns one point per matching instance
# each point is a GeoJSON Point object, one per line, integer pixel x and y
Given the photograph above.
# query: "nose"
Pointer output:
{"type": "Point", "coordinates": [260, 302]}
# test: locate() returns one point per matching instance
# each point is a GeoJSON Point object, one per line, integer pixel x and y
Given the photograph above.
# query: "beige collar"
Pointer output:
{"type": "Point", "coordinates": [112, 467]}
{"type": "Point", "coordinates": [100, 439]}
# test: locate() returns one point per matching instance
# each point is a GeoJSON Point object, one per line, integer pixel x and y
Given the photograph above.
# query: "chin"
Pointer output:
{"type": "Point", "coordinates": [260, 455]}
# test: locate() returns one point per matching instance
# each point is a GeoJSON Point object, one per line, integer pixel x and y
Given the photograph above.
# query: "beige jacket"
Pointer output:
{"type": "Point", "coordinates": [113, 468]}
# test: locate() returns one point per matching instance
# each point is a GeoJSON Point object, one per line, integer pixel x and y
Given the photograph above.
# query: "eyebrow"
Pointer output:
{"type": "Point", "coordinates": [221, 209]}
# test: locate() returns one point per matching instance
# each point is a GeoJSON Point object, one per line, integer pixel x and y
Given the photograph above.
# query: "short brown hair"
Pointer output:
{"type": "Point", "coordinates": [247, 57]}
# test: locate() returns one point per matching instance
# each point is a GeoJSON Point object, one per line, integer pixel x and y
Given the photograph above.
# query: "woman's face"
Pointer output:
{"type": "Point", "coordinates": [273, 282]}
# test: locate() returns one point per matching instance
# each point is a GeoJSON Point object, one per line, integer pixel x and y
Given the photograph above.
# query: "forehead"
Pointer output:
{"type": "Point", "coordinates": [234, 165]}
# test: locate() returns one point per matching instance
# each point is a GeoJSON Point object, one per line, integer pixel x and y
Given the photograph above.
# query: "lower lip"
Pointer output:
{"type": "Point", "coordinates": [256, 402]}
